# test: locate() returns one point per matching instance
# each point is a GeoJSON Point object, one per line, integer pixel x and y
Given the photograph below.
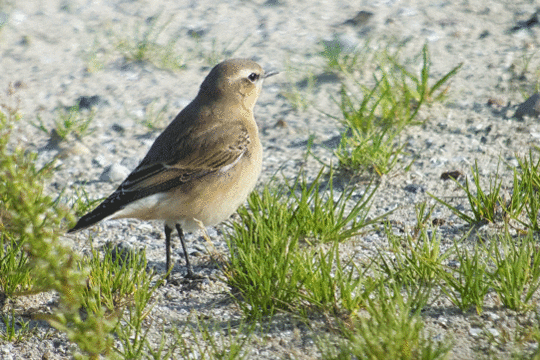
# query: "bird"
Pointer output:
{"type": "Point", "coordinates": [203, 166]}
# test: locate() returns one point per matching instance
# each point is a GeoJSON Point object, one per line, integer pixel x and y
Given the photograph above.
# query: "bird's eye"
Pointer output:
{"type": "Point", "coordinates": [252, 77]}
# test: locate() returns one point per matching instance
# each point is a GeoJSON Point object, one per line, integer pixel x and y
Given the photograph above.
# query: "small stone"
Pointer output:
{"type": "Point", "coordinates": [75, 149]}
{"type": "Point", "coordinates": [114, 173]}
{"type": "Point", "coordinates": [414, 188]}
{"type": "Point", "coordinates": [531, 107]}
{"type": "Point", "coordinates": [492, 316]}
{"type": "Point", "coordinates": [118, 128]}
{"type": "Point", "coordinates": [443, 322]}
{"type": "Point", "coordinates": [98, 161]}
{"type": "Point", "coordinates": [360, 19]}
{"type": "Point", "coordinates": [454, 174]}
{"type": "Point", "coordinates": [88, 102]}
{"type": "Point", "coordinates": [494, 332]}
{"type": "Point", "coordinates": [281, 123]}
{"type": "Point", "coordinates": [475, 332]}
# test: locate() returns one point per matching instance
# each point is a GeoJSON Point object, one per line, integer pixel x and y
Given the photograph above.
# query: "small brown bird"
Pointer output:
{"type": "Point", "coordinates": [204, 164]}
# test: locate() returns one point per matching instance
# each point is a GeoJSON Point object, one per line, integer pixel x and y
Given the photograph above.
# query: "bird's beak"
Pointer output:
{"type": "Point", "coordinates": [271, 73]}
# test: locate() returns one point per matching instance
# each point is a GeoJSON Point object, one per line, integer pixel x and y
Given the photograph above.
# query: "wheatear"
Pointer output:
{"type": "Point", "coordinates": [204, 164]}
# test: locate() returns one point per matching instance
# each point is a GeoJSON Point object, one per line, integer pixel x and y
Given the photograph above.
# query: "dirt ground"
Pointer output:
{"type": "Point", "coordinates": [52, 53]}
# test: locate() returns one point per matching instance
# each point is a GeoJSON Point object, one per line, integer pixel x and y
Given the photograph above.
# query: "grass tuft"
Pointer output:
{"type": "Point", "coordinates": [374, 124]}
{"type": "Point", "coordinates": [278, 257]}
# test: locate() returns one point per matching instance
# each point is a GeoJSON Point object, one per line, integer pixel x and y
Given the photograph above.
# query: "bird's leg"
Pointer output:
{"type": "Point", "coordinates": [190, 274]}
{"type": "Point", "coordinates": [168, 232]}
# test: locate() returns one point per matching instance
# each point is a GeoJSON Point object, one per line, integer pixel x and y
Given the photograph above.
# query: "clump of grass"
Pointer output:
{"type": "Point", "coordinates": [272, 264]}
{"type": "Point", "coordinates": [129, 268]}
{"type": "Point", "coordinates": [390, 330]}
{"type": "Point", "coordinates": [143, 45]}
{"type": "Point", "coordinates": [488, 205]}
{"type": "Point", "coordinates": [298, 95]}
{"type": "Point", "coordinates": [13, 265]}
{"type": "Point", "coordinates": [336, 286]}
{"type": "Point", "coordinates": [211, 342]}
{"type": "Point", "coordinates": [412, 264]}
{"type": "Point", "coordinates": [374, 124]}
{"type": "Point", "coordinates": [525, 74]}
{"type": "Point", "coordinates": [516, 277]}
{"type": "Point", "coordinates": [526, 194]}
{"type": "Point", "coordinates": [94, 57]}
{"type": "Point", "coordinates": [68, 122]}
{"type": "Point", "coordinates": [484, 205]}
{"type": "Point", "coordinates": [413, 259]}
{"type": "Point", "coordinates": [131, 289]}
{"type": "Point", "coordinates": [467, 284]}
{"type": "Point", "coordinates": [16, 329]}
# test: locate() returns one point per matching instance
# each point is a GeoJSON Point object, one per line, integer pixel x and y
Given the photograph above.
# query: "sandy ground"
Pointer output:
{"type": "Point", "coordinates": [54, 52]}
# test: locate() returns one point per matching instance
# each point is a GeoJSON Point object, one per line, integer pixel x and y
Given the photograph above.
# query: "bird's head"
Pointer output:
{"type": "Point", "coordinates": [235, 80]}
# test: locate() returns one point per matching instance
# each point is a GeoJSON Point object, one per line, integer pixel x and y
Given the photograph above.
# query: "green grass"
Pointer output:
{"type": "Point", "coordinates": [488, 205]}
{"type": "Point", "coordinates": [218, 342]}
{"type": "Point", "coordinates": [292, 223]}
{"type": "Point", "coordinates": [219, 50]}
{"type": "Point", "coordinates": [144, 45]}
{"type": "Point", "coordinates": [373, 125]}
{"type": "Point", "coordinates": [301, 82]}
{"type": "Point", "coordinates": [516, 277]}
{"type": "Point", "coordinates": [17, 330]}
{"type": "Point", "coordinates": [467, 284]}
{"type": "Point", "coordinates": [68, 122]}
{"type": "Point", "coordinates": [33, 260]}
{"type": "Point", "coordinates": [81, 201]}
{"type": "Point", "coordinates": [95, 57]}
{"type": "Point", "coordinates": [526, 194]}
{"type": "Point", "coordinates": [340, 61]}
{"type": "Point", "coordinates": [389, 330]}
{"type": "Point", "coordinates": [484, 204]}
{"type": "Point", "coordinates": [13, 265]}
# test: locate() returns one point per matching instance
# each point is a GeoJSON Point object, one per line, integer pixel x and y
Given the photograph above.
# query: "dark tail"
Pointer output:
{"type": "Point", "coordinates": [89, 219]}
{"type": "Point", "coordinates": [109, 206]}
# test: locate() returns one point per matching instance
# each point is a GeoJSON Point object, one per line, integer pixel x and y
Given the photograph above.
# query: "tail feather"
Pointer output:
{"type": "Point", "coordinates": [89, 220]}
{"type": "Point", "coordinates": [109, 206]}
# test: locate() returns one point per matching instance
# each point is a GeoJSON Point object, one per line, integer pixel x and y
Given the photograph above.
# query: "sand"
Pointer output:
{"type": "Point", "coordinates": [52, 53]}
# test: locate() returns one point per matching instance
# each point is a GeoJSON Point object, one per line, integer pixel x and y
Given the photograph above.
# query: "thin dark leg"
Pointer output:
{"type": "Point", "coordinates": [168, 232]}
{"type": "Point", "coordinates": [186, 255]}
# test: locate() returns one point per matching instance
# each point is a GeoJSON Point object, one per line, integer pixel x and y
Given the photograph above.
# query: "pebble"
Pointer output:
{"type": "Point", "coordinates": [414, 188]}
{"type": "Point", "coordinates": [99, 161]}
{"type": "Point", "coordinates": [530, 107]}
{"type": "Point", "coordinates": [114, 173]}
{"type": "Point", "coordinates": [492, 316]}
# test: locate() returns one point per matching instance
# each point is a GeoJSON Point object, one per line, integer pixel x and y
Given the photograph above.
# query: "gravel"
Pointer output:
{"type": "Point", "coordinates": [46, 53]}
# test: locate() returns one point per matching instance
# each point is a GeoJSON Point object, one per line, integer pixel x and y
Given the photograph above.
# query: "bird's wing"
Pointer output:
{"type": "Point", "coordinates": [214, 150]}
{"type": "Point", "coordinates": [170, 164]}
